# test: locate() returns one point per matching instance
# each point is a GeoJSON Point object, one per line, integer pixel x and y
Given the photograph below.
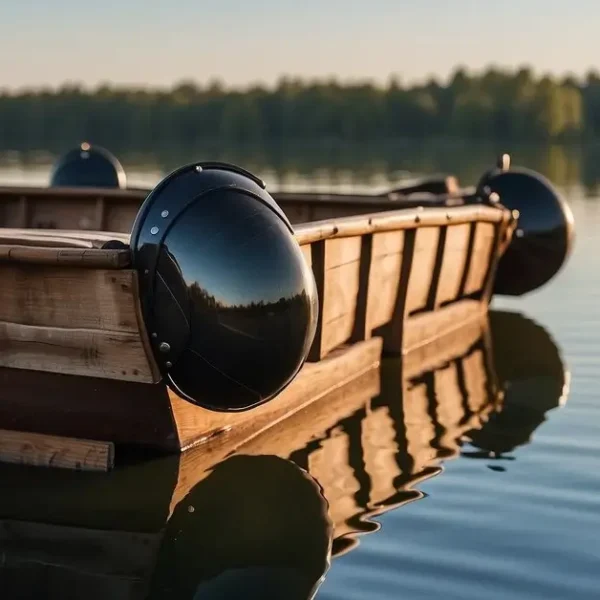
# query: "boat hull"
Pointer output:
{"type": "Point", "coordinates": [74, 354]}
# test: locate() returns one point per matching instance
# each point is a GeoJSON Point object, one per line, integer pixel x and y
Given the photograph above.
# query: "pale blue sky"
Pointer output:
{"type": "Point", "coordinates": [158, 43]}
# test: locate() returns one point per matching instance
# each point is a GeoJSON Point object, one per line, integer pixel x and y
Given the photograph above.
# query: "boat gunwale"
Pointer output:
{"type": "Point", "coordinates": [78, 249]}
{"type": "Point", "coordinates": [411, 198]}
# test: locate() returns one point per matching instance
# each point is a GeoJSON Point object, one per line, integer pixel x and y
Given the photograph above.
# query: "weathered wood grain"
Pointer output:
{"type": "Point", "coordinates": [336, 267]}
{"type": "Point", "coordinates": [454, 263]}
{"type": "Point", "coordinates": [481, 257]}
{"type": "Point", "coordinates": [88, 258]}
{"type": "Point", "coordinates": [422, 270]}
{"type": "Point", "coordinates": [395, 220]}
{"type": "Point", "coordinates": [68, 298]}
{"type": "Point", "coordinates": [39, 450]}
{"type": "Point", "coordinates": [425, 327]}
{"type": "Point", "coordinates": [85, 352]}
{"type": "Point", "coordinates": [384, 278]}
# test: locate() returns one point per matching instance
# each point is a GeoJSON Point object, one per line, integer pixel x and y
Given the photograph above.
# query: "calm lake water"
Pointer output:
{"type": "Point", "coordinates": [476, 477]}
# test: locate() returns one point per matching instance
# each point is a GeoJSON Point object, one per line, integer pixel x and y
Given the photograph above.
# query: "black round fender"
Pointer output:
{"type": "Point", "coordinates": [88, 166]}
{"type": "Point", "coordinates": [227, 297]}
{"type": "Point", "coordinates": [545, 231]}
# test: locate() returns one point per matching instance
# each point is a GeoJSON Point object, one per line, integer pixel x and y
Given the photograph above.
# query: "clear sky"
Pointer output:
{"type": "Point", "coordinates": [243, 41]}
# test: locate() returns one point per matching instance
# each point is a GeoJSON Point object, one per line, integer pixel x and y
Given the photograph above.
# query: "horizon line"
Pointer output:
{"type": "Point", "coordinates": [217, 82]}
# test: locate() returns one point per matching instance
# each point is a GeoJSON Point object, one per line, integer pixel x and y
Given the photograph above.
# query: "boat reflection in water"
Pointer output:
{"type": "Point", "coordinates": [266, 516]}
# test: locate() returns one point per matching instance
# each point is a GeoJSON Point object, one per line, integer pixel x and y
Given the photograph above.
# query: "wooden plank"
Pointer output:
{"type": "Point", "coordinates": [85, 352]}
{"type": "Point", "coordinates": [481, 257]}
{"type": "Point", "coordinates": [384, 278]}
{"type": "Point", "coordinates": [454, 263]}
{"type": "Point", "coordinates": [120, 216]}
{"type": "Point", "coordinates": [395, 220]}
{"type": "Point", "coordinates": [425, 327]}
{"type": "Point", "coordinates": [68, 298]}
{"type": "Point", "coordinates": [124, 412]}
{"type": "Point", "coordinates": [336, 267]}
{"type": "Point", "coordinates": [307, 253]}
{"type": "Point", "coordinates": [196, 425]}
{"type": "Point", "coordinates": [39, 450]}
{"type": "Point", "coordinates": [422, 269]}
{"type": "Point", "coordinates": [341, 287]}
{"type": "Point", "coordinates": [94, 258]}
{"type": "Point", "coordinates": [444, 348]}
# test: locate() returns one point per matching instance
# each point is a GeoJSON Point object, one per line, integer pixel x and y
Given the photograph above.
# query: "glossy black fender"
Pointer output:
{"type": "Point", "coordinates": [88, 166]}
{"type": "Point", "coordinates": [545, 230]}
{"type": "Point", "coordinates": [227, 298]}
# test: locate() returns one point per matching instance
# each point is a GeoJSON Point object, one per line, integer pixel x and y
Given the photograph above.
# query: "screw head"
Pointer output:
{"type": "Point", "coordinates": [154, 230]}
{"type": "Point", "coordinates": [164, 214]}
{"type": "Point", "coordinates": [168, 364]}
{"type": "Point", "coordinates": [164, 347]}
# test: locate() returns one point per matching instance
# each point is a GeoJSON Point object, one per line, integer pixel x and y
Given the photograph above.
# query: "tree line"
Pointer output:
{"type": "Point", "coordinates": [493, 105]}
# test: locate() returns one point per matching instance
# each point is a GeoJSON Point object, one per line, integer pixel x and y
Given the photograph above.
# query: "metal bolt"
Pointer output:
{"type": "Point", "coordinates": [164, 214]}
{"type": "Point", "coordinates": [154, 230]}
{"type": "Point", "coordinates": [164, 347]}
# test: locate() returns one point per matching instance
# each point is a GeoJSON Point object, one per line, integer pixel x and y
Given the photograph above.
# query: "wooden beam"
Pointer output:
{"type": "Point", "coordinates": [34, 449]}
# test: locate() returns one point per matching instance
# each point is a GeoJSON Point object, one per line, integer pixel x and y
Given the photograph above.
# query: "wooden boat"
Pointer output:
{"type": "Point", "coordinates": [171, 527]}
{"type": "Point", "coordinates": [86, 309]}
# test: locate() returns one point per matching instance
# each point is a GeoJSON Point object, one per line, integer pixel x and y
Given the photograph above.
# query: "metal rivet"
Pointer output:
{"type": "Point", "coordinates": [494, 197]}
{"type": "Point", "coordinates": [154, 230]}
{"type": "Point", "coordinates": [164, 347]}
{"type": "Point", "coordinates": [146, 272]}
{"type": "Point", "coordinates": [519, 233]}
{"type": "Point", "coordinates": [168, 364]}
{"type": "Point", "coordinates": [516, 214]}
{"type": "Point", "coordinates": [199, 169]}
{"type": "Point", "coordinates": [164, 214]}
{"type": "Point", "coordinates": [155, 335]}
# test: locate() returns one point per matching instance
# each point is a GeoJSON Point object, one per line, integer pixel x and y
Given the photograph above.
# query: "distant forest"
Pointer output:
{"type": "Point", "coordinates": [494, 105]}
